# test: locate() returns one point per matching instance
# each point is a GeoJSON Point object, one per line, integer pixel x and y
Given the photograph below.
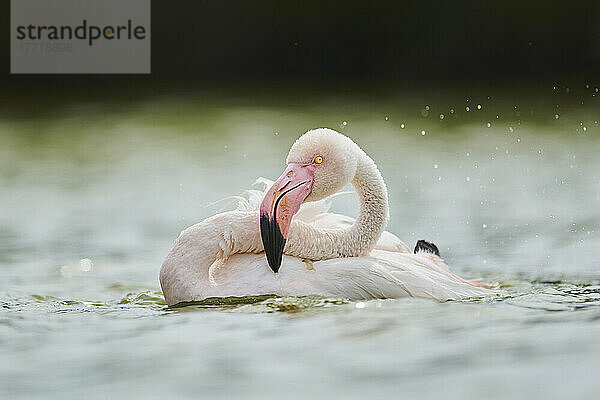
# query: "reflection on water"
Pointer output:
{"type": "Point", "coordinates": [92, 196]}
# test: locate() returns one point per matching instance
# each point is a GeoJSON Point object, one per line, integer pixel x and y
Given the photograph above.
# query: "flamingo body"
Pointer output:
{"type": "Point", "coordinates": [196, 269]}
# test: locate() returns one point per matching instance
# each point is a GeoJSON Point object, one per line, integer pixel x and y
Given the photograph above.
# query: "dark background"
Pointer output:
{"type": "Point", "coordinates": [375, 40]}
{"type": "Point", "coordinates": [367, 41]}
{"type": "Point", "coordinates": [244, 48]}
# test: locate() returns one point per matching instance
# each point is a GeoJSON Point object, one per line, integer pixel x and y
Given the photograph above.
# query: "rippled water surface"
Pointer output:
{"type": "Point", "coordinates": [93, 193]}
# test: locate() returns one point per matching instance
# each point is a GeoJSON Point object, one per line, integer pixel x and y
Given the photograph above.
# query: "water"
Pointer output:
{"type": "Point", "coordinates": [93, 192]}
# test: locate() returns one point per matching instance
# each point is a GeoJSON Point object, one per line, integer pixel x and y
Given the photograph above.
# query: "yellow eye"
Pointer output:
{"type": "Point", "coordinates": [318, 160]}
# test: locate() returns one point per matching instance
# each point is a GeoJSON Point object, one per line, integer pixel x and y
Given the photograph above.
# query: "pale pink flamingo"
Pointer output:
{"type": "Point", "coordinates": [308, 250]}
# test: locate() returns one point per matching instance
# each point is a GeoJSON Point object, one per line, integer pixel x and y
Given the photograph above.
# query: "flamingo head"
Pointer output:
{"type": "Point", "coordinates": [320, 163]}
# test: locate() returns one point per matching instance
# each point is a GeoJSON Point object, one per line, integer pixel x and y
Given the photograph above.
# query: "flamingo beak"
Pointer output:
{"type": "Point", "coordinates": [281, 202]}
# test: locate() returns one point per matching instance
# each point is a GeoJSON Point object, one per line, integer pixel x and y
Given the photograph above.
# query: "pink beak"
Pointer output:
{"type": "Point", "coordinates": [281, 202]}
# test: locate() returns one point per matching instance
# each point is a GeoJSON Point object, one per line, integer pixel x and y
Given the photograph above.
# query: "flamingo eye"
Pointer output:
{"type": "Point", "coordinates": [318, 160]}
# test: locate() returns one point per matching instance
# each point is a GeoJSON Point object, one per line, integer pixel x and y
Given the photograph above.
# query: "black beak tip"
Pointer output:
{"type": "Point", "coordinates": [273, 241]}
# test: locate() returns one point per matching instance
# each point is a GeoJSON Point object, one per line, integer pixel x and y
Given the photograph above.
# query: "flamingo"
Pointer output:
{"type": "Point", "coordinates": [283, 241]}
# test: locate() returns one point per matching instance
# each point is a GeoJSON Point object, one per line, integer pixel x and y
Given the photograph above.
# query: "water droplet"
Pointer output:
{"type": "Point", "coordinates": [489, 124]}
{"type": "Point", "coordinates": [468, 179]}
{"type": "Point", "coordinates": [423, 132]}
{"type": "Point", "coordinates": [387, 118]}
{"type": "Point", "coordinates": [85, 264]}
{"type": "Point", "coordinates": [484, 226]}
{"type": "Point", "coordinates": [585, 128]}
{"type": "Point", "coordinates": [276, 133]}
{"type": "Point", "coordinates": [510, 128]}
{"type": "Point", "coordinates": [427, 108]}
{"type": "Point", "coordinates": [441, 116]}
{"type": "Point", "coordinates": [556, 116]}
{"type": "Point", "coordinates": [360, 305]}
{"type": "Point", "coordinates": [435, 166]}
{"type": "Point", "coordinates": [479, 106]}
{"type": "Point", "coordinates": [402, 126]}
{"type": "Point", "coordinates": [452, 111]}
{"type": "Point", "coordinates": [345, 123]}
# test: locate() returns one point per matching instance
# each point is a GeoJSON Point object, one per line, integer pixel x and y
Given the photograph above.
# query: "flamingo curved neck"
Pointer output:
{"type": "Point", "coordinates": [374, 210]}
{"type": "Point", "coordinates": [359, 239]}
